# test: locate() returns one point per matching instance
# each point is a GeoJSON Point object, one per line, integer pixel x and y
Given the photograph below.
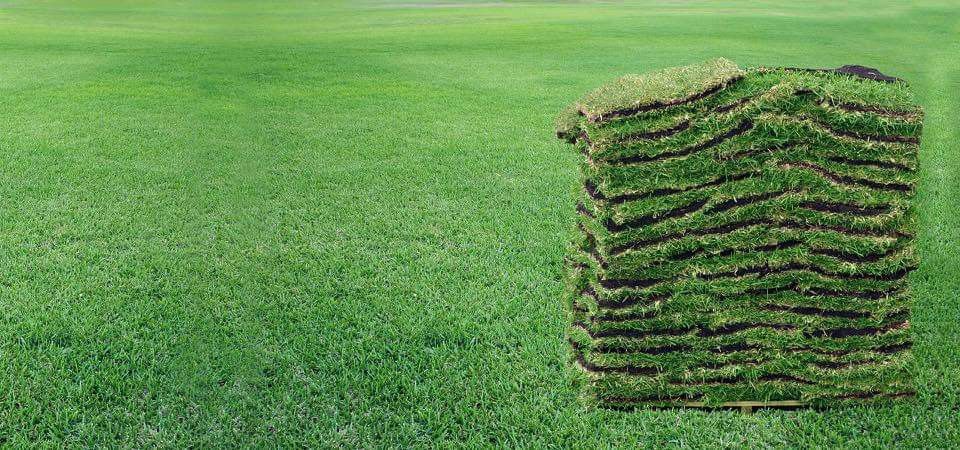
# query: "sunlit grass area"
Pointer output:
{"type": "Point", "coordinates": [343, 224]}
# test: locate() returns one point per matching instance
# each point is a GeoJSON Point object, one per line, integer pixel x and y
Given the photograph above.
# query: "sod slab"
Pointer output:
{"type": "Point", "coordinates": [743, 235]}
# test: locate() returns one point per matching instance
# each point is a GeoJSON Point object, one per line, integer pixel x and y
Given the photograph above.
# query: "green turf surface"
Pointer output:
{"type": "Point", "coordinates": [235, 223]}
{"type": "Point", "coordinates": [748, 240]}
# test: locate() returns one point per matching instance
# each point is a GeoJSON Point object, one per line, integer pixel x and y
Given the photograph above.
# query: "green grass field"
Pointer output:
{"type": "Point", "coordinates": [250, 224]}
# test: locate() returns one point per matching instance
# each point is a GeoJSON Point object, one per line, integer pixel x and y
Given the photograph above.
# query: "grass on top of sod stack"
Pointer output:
{"type": "Point", "coordinates": [745, 235]}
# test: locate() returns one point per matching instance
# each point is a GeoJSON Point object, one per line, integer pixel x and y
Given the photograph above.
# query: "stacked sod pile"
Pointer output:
{"type": "Point", "coordinates": [744, 235]}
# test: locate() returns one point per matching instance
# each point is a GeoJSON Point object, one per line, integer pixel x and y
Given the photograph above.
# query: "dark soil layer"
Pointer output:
{"type": "Point", "coordinates": [750, 241]}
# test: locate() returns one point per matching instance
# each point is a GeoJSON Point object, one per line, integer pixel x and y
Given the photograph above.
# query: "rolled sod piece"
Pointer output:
{"type": "Point", "coordinates": [743, 235]}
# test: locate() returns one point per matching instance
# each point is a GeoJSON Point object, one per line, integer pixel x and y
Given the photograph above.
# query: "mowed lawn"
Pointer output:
{"type": "Point", "coordinates": [342, 224]}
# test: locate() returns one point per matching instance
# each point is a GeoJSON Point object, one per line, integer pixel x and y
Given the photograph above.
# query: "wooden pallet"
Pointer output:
{"type": "Point", "coordinates": [747, 407]}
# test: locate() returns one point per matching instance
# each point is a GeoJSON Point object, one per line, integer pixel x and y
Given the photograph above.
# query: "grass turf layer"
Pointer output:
{"type": "Point", "coordinates": [743, 234]}
{"type": "Point", "coordinates": [341, 224]}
